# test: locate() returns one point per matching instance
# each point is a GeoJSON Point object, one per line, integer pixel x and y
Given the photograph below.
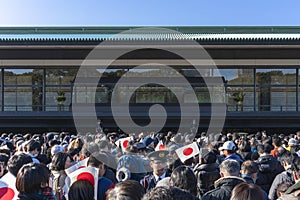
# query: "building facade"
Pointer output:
{"type": "Point", "coordinates": [259, 67]}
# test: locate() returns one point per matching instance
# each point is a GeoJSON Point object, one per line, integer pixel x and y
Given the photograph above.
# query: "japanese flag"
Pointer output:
{"type": "Point", "coordinates": [89, 174]}
{"type": "Point", "coordinates": [188, 151]}
{"type": "Point", "coordinates": [160, 146]}
{"type": "Point", "coordinates": [78, 165]}
{"type": "Point", "coordinates": [6, 193]}
{"type": "Point", "coordinates": [123, 143]}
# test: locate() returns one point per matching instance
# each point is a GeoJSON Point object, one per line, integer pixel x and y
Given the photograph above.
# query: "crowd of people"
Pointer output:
{"type": "Point", "coordinates": [154, 166]}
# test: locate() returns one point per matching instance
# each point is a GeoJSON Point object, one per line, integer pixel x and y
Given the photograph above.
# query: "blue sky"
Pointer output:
{"type": "Point", "coordinates": [148, 12]}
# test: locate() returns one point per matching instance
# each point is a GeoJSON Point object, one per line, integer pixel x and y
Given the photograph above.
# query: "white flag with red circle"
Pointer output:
{"type": "Point", "coordinates": [188, 151]}
{"type": "Point", "coordinates": [6, 193]}
{"type": "Point", "coordinates": [88, 174]}
{"type": "Point", "coordinates": [78, 165]}
{"type": "Point", "coordinates": [123, 143]}
{"type": "Point", "coordinates": [160, 146]}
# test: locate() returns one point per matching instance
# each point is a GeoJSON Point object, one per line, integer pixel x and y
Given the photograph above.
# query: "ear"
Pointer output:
{"type": "Point", "coordinates": [221, 174]}
{"type": "Point", "coordinates": [295, 176]}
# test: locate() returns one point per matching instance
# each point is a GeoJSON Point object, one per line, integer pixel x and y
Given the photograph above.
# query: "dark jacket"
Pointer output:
{"type": "Point", "coordinates": [206, 175]}
{"type": "Point", "coordinates": [223, 188]}
{"type": "Point", "coordinates": [249, 179]}
{"type": "Point", "coordinates": [283, 177]}
{"type": "Point", "coordinates": [149, 182]}
{"type": "Point", "coordinates": [269, 167]}
{"type": "Point", "coordinates": [178, 194]}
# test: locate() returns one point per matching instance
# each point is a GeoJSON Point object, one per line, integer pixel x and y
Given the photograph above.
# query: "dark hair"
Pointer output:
{"type": "Point", "coordinates": [89, 149]}
{"type": "Point", "coordinates": [31, 176]}
{"type": "Point", "coordinates": [287, 157]}
{"type": "Point", "coordinates": [184, 178]}
{"type": "Point", "coordinates": [209, 158]}
{"type": "Point", "coordinates": [126, 190]}
{"type": "Point", "coordinates": [282, 188]}
{"type": "Point", "coordinates": [249, 167]}
{"type": "Point", "coordinates": [244, 146]}
{"type": "Point", "coordinates": [247, 191]}
{"type": "Point", "coordinates": [158, 193]}
{"type": "Point", "coordinates": [97, 159]}
{"type": "Point", "coordinates": [17, 161]}
{"type": "Point", "coordinates": [32, 145]}
{"type": "Point", "coordinates": [59, 160]}
{"type": "Point", "coordinates": [277, 141]}
{"type": "Point", "coordinates": [81, 190]}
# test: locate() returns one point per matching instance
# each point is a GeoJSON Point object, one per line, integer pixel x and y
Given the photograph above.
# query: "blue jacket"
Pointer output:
{"type": "Point", "coordinates": [104, 184]}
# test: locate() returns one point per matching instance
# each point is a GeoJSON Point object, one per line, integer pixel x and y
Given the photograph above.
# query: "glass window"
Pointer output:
{"type": "Point", "coordinates": [60, 76]}
{"type": "Point", "coordinates": [276, 98]}
{"type": "Point", "coordinates": [276, 76]}
{"type": "Point", "coordinates": [236, 76]}
{"type": "Point", "coordinates": [52, 104]}
{"type": "Point", "coordinates": [240, 98]}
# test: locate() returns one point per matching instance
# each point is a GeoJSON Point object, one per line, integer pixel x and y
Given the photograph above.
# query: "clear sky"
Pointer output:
{"type": "Point", "coordinates": [149, 12]}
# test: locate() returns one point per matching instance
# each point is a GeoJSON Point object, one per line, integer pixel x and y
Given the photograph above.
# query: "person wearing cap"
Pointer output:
{"type": "Point", "coordinates": [158, 163]}
{"type": "Point", "coordinates": [228, 150]}
{"type": "Point", "coordinates": [292, 143]}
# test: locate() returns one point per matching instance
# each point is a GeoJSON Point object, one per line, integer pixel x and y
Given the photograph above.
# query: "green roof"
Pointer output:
{"type": "Point", "coordinates": [199, 33]}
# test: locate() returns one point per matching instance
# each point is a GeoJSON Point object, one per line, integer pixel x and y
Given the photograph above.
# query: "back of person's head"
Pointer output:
{"type": "Point", "coordinates": [158, 193]}
{"type": "Point", "coordinates": [184, 178]}
{"type": "Point", "coordinates": [230, 168]}
{"type": "Point", "coordinates": [287, 158]}
{"type": "Point", "coordinates": [89, 149]}
{"type": "Point", "coordinates": [17, 161]}
{"type": "Point", "coordinates": [31, 177]}
{"type": "Point", "coordinates": [282, 188]}
{"type": "Point", "coordinates": [244, 146]}
{"type": "Point", "coordinates": [76, 144]}
{"type": "Point", "coordinates": [81, 190]}
{"type": "Point", "coordinates": [126, 190]}
{"type": "Point", "coordinates": [97, 159]}
{"type": "Point", "coordinates": [247, 191]}
{"type": "Point", "coordinates": [276, 141]}
{"type": "Point", "coordinates": [249, 167]}
{"type": "Point", "coordinates": [59, 160]}
{"type": "Point", "coordinates": [208, 158]}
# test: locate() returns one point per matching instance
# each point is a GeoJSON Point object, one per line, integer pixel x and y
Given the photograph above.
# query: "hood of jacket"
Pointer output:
{"type": "Point", "coordinates": [228, 181]}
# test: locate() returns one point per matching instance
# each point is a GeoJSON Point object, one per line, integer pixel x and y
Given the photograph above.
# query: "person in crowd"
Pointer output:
{"type": "Point", "coordinates": [283, 177]}
{"type": "Point", "coordinates": [164, 193]}
{"type": "Point", "coordinates": [230, 172]}
{"type": "Point", "coordinates": [33, 150]}
{"type": "Point", "coordinates": [14, 165]}
{"type": "Point", "coordinates": [104, 184]}
{"type": "Point", "coordinates": [282, 188]}
{"type": "Point", "coordinates": [249, 171]}
{"type": "Point", "coordinates": [60, 162]}
{"type": "Point", "coordinates": [184, 178]}
{"type": "Point", "coordinates": [158, 162]}
{"type": "Point", "coordinates": [228, 150]}
{"type": "Point", "coordinates": [276, 144]}
{"type": "Point", "coordinates": [247, 191]}
{"type": "Point", "coordinates": [244, 149]}
{"type": "Point", "coordinates": [206, 171]}
{"type": "Point", "coordinates": [293, 192]}
{"type": "Point", "coordinates": [129, 190]}
{"type": "Point", "coordinates": [81, 190]}
{"type": "Point", "coordinates": [32, 182]}
{"type": "Point", "coordinates": [292, 143]}
{"type": "Point", "coordinates": [268, 166]}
